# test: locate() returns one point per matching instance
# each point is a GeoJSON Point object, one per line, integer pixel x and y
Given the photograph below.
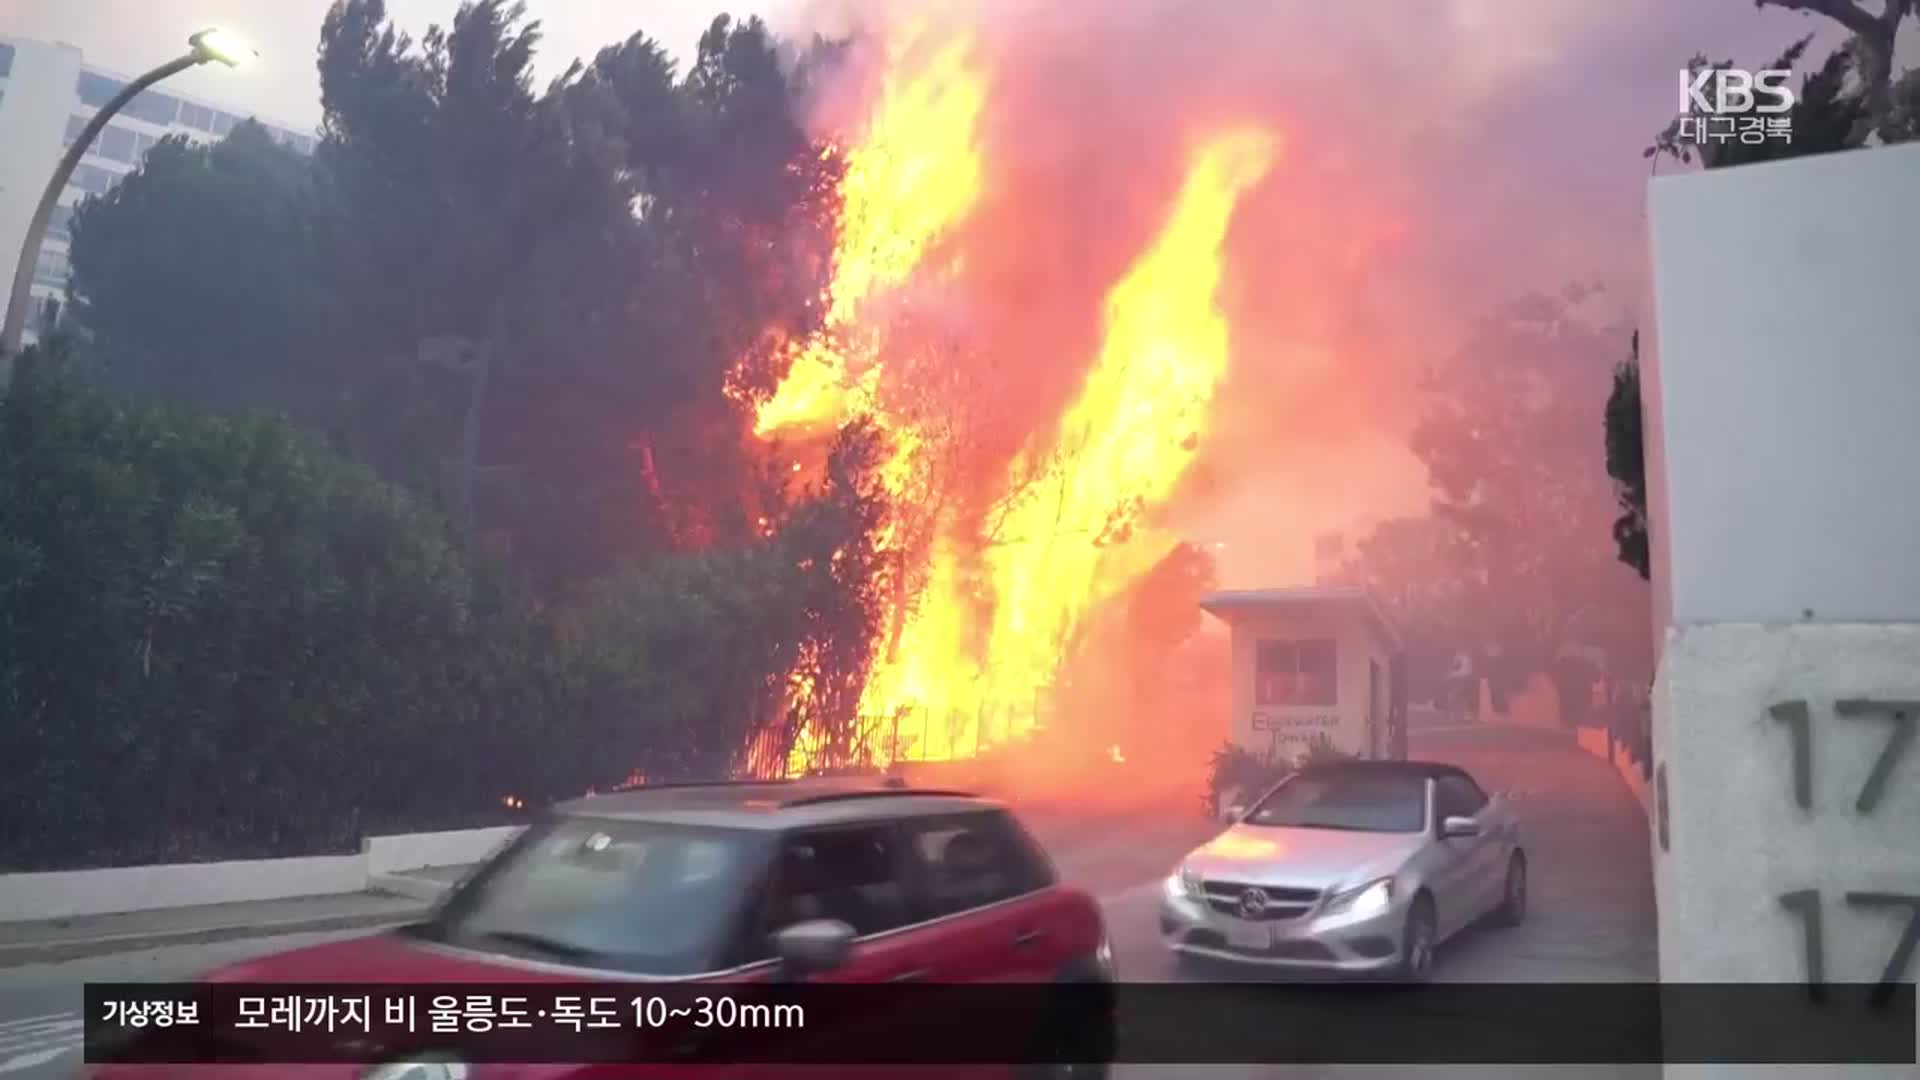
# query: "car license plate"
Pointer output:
{"type": "Point", "coordinates": [1249, 937]}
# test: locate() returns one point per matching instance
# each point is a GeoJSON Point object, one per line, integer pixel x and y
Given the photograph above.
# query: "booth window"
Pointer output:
{"type": "Point", "coordinates": [1296, 673]}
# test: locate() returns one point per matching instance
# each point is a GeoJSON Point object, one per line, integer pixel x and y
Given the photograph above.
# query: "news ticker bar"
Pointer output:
{"type": "Point", "coordinates": [999, 1023]}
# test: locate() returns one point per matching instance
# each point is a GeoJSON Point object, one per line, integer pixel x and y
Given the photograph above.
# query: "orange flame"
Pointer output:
{"type": "Point", "coordinates": [1077, 536]}
{"type": "Point", "coordinates": [914, 175]}
{"type": "Point", "coordinates": [968, 655]}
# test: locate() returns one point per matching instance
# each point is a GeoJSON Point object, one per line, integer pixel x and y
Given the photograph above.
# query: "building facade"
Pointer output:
{"type": "Point", "coordinates": [48, 93]}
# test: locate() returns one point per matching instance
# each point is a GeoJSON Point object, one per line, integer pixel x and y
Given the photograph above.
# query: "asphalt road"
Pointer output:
{"type": "Point", "coordinates": [1591, 916]}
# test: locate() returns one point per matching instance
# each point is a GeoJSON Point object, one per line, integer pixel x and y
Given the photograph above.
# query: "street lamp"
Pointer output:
{"type": "Point", "coordinates": [210, 46]}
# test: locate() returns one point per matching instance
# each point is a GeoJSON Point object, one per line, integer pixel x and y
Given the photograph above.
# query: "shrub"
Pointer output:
{"type": "Point", "coordinates": [1236, 768]}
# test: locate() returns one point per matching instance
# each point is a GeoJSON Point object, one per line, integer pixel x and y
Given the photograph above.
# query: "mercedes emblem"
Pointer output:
{"type": "Point", "coordinates": [1252, 903]}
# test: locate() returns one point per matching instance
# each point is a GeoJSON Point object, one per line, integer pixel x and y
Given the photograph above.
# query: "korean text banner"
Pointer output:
{"type": "Point", "coordinates": [1060, 1023]}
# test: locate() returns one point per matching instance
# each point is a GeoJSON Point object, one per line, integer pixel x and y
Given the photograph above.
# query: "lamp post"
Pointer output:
{"type": "Point", "coordinates": [207, 46]}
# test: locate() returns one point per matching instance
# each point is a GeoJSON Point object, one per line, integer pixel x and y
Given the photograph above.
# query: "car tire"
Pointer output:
{"type": "Point", "coordinates": [1050, 1026]}
{"type": "Point", "coordinates": [1513, 893]}
{"type": "Point", "coordinates": [1418, 940]}
{"type": "Point", "coordinates": [1192, 968]}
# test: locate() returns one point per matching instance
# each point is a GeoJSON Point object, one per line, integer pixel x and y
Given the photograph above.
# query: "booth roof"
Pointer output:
{"type": "Point", "coordinates": [1232, 604]}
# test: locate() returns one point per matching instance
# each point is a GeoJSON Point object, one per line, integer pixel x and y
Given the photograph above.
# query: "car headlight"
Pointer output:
{"type": "Point", "coordinates": [1184, 882]}
{"type": "Point", "coordinates": [1371, 899]}
{"type": "Point", "coordinates": [425, 1068]}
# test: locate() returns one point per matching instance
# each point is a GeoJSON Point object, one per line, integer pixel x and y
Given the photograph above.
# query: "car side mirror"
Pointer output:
{"type": "Point", "coordinates": [1459, 827]}
{"type": "Point", "coordinates": [813, 947]}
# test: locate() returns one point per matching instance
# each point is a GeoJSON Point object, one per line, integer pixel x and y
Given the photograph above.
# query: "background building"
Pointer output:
{"type": "Point", "coordinates": [48, 93]}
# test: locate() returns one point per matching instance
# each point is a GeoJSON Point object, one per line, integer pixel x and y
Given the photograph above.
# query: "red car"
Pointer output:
{"type": "Point", "coordinates": [827, 879]}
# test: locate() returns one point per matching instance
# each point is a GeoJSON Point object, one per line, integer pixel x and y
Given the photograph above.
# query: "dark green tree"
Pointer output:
{"type": "Point", "coordinates": [1872, 46]}
{"type": "Point", "coordinates": [220, 639]}
{"type": "Point", "coordinates": [1627, 463]}
{"type": "Point", "coordinates": [191, 277]}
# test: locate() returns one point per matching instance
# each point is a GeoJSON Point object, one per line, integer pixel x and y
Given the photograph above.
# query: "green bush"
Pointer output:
{"type": "Point", "coordinates": [218, 639]}
{"type": "Point", "coordinates": [1235, 768]}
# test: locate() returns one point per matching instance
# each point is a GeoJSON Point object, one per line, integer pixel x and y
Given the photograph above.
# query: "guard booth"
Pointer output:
{"type": "Point", "coordinates": [1319, 665]}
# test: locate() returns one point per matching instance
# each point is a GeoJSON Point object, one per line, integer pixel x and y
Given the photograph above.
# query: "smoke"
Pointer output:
{"type": "Point", "coordinates": [1435, 161]}
{"type": "Point", "coordinates": [1438, 160]}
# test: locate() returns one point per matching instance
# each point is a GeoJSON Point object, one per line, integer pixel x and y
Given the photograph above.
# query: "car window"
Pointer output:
{"type": "Point", "coordinates": [972, 861]}
{"type": "Point", "coordinates": [852, 874]}
{"type": "Point", "coordinates": [634, 896]}
{"type": "Point", "coordinates": [1338, 799]}
{"type": "Point", "coordinates": [1457, 796]}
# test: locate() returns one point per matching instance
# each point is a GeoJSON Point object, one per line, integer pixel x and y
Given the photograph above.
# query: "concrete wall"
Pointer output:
{"type": "Point", "coordinates": [73, 893]}
{"type": "Point", "coordinates": [1788, 388]}
{"type": "Point", "coordinates": [1738, 838]}
{"type": "Point", "coordinates": [412, 851]}
{"type": "Point", "coordinates": [1782, 388]}
{"type": "Point", "coordinates": [1356, 643]}
{"type": "Point", "coordinates": [67, 893]}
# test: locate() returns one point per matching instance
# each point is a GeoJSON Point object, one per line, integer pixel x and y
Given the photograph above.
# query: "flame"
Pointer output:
{"type": "Point", "coordinates": [966, 656]}
{"type": "Point", "coordinates": [914, 175]}
{"type": "Point", "coordinates": [1124, 445]}
{"type": "Point", "coordinates": [1076, 537]}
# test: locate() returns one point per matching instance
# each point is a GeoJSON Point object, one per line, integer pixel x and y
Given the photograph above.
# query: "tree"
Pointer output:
{"type": "Point", "coordinates": [1826, 116]}
{"type": "Point", "coordinates": [1515, 478]}
{"type": "Point", "coordinates": [1874, 35]}
{"type": "Point", "coordinates": [261, 647]}
{"type": "Point", "coordinates": [1163, 607]}
{"type": "Point", "coordinates": [1413, 567]}
{"type": "Point", "coordinates": [1627, 463]}
{"type": "Point", "coordinates": [190, 276]}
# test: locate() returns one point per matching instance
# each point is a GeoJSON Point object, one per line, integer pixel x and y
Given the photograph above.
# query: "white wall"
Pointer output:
{"type": "Point", "coordinates": [1788, 376]}
{"type": "Point", "coordinates": [1782, 390]}
{"type": "Point", "coordinates": [1348, 626]}
{"type": "Point", "coordinates": [413, 851]}
{"type": "Point", "coordinates": [74, 893]}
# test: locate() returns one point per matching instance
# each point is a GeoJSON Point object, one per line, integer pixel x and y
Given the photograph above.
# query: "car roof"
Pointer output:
{"type": "Point", "coordinates": [1429, 770]}
{"type": "Point", "coordinates": [775, 804]}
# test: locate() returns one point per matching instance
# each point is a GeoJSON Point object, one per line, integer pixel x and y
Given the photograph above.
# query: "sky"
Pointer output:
{"type": "Point", "coordinates": [131, 36]}
{"type": "Point", "coordinates": [1466, 150]}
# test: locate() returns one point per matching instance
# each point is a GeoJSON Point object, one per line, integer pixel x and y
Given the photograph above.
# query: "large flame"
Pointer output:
{"type": "Point", "coordinates": [1070, 521]}
{"type": "Point", "coordinates": [912, 176]}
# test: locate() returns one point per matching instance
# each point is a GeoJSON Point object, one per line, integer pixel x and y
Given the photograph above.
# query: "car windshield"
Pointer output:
{"type": "Point", "coordinates": [1356, 801]}
{"type": "Point", "coordinates": [635, 896]}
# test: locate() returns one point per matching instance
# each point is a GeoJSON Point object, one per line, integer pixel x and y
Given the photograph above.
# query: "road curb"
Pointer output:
{"type": "Point", "coordinates": [56, 951]}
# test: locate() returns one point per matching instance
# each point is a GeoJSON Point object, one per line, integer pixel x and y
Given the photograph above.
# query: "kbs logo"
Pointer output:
{"type": "Point", "coordinates": [1732, 92]}
{"type": "Point", "coordinates": [1722, 105]}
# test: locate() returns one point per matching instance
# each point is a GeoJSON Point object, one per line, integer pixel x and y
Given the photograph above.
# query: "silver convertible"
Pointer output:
{"type": "Point", "coordinates": [1361, 867]}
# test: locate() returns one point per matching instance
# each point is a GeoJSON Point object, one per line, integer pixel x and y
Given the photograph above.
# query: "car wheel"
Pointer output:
{"type": "Point", "coordinates": [1098, 1026]}
{"type": "Point", "coordinates": [1418, 941]}
{"type": "Point", "coordinates": [1513, 896]}
{"type": "Point", "coordinates": [1189, 966]}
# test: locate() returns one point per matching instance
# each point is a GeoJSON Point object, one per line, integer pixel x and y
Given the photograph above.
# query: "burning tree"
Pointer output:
{"type": "Point", "coordinates": [1007, 540]}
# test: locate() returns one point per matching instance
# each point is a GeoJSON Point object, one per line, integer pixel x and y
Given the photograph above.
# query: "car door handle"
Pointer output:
{"type": "Point", "coordinates": [1027, 937]}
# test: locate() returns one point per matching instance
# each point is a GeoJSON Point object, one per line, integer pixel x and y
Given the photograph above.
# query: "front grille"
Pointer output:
{"type": "Point", "coordinates": [1375, 948]}
{"type": "Point", "coordinates": [1283, 902]}
{"type": "Point", "coordinates": [1309, 951]}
